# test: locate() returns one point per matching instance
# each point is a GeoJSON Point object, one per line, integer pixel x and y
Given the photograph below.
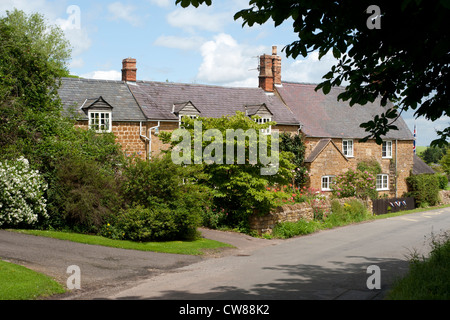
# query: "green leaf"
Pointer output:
{"type": "Point", "coordinates": [336, 53]}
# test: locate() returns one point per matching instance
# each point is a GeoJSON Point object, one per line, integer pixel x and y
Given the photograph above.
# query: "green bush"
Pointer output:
{"type": "Point", "coordinates": [84, 194]}
{"type": "Point", "coordinates": [163, 198]}
{"type": "Point", "coordinates": [159, 223]}
{"type": "Point", "coordinates": [214, 217]}
{"type": "Point", "coordinates": [428, 278]}
{"type": "Point", "coordinates": [160, 181]}
{"type": "Point", "coordinates": [424, 188]}
{"type": "Point", "coordinates": [22, 190]}
{"type": "Point", "coordinates": [443, 181]}
{"type": "Point", "coordinates": [355, 183]}
{"type": "Point", "coordinates": [352, 211]}
{"type": "Point", "coordinates": [291, 229]}
{"type": "Point", "coordinates": [239, 186]}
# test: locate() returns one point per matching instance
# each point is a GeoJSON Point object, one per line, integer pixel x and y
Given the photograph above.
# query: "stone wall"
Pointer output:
{"type": "Point", "coordinates": [292, 213]}
{"type": "Point", "coordinates": [444, 196]}
{"type": "Point", "coordinates": [128, 136]}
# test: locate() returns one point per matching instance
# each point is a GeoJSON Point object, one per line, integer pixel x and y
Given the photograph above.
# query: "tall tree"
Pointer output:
{"type": "Point", "coordinates": [399, 50]}
{"type": "Point", "coordinates": [33, 57]}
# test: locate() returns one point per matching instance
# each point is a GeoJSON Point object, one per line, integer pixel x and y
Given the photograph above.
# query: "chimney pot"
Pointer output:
{"type": "Point", "coordinates": [274, 50]}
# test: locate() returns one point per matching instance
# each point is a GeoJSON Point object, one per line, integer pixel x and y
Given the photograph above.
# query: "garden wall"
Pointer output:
{"type": "Point", "coordinates": [292, 213]}
{"type": "Point", "coordinates": [444, 196]}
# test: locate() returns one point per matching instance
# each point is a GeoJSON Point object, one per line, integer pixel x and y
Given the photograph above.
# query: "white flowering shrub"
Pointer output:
{"type": "Point", "coordinates": [21, 194]}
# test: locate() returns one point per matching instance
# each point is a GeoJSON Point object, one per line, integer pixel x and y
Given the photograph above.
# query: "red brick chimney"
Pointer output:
{"type": "Point", "coordinates": [269, 70]}
{"type": "Point", "coordinates": [129, 69]}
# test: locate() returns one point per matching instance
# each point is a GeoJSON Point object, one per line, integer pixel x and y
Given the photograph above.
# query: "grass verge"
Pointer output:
{"type": "Point", "coordinates": [194, 247]}
{"type": "Point", "coordinates": [303, 227]}
{"type": "Point", "coordinates": [20, 283]}
{"type": "Point", "coordinates": [428, 278]}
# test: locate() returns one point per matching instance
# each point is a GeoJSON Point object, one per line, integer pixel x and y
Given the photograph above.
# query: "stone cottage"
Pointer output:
{"type": "Point", "coordinates": [136, 111]}
{"type": "Point", "coordinates": [332, 133]}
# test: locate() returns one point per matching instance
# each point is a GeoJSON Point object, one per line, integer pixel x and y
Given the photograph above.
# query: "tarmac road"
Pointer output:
{"type": "Point", "coordinates": [327, 265]}
{"type": "Point", "coordinates": [106, 270]}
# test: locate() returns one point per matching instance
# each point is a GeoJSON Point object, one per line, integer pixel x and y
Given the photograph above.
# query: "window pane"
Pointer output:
{"type": "Point", "coordinates": [387, 149]}
{"type": "Point", "coordinates": [324, 182]}
{"type": "Point", "coordinates": [379, 181]}
{"type": "Point", "coordinates": [100, 121]}
{"type": "Point", "coordinates": [347, 147]}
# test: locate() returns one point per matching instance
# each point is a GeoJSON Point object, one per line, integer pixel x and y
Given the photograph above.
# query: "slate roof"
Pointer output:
{"type": "Point", "coordinates": [420, 166]}
{"type": "Point", "coordinates": [323, 116]}
{"type": "Point", "coordinates": [321, 145]}
{"type": "Point", "coordinates": [157, 99]}
{"type": "Point", "coordinates": [79, 93]}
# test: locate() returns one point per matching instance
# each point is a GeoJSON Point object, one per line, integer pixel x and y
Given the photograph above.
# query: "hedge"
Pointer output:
{"type": "Point", "coordinates": [424, 188]}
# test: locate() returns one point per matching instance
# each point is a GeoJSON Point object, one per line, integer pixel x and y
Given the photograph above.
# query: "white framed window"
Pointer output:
{"type": "Point", "coordinates": [264, 120]}
{"type": "Point", "coordinates": [100, 121]}
{"type": "Point", "coordinates": [386, 151]}
{"type": "Point", "coordinates": [181, 116]}
{"type": "Point", "coordinates": [347, 147]}
{"type": "Point", "coordinates": [382, 182]}
{"type": "Point", "coordinates": [327, 181]}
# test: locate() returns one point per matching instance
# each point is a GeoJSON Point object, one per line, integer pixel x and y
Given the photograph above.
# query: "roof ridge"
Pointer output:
{"type": "Point", "coordinates": [310, 84]}
{"type": "Point", "coordinates": [92, 80]}
{"type": "Point", "coordinates": [320, 146]}
{"type": "Point", "coordinates": [197, 85]}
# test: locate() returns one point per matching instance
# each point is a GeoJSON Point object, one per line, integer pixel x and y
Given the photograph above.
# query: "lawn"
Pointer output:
{"type": "Point", "coordinates": [194, 247]}
{"type": "Point", "coordinates": [20, 283]}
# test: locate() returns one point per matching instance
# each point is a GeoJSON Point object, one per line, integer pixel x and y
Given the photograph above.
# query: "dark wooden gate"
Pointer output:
{"type": "Point", "coordinates": [383, 206]}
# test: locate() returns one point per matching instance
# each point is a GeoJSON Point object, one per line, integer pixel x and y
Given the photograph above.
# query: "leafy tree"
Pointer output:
{"type": "Point", "coordinates": [79, 166]}
{"type": "Point", "coordinates": [403, 55]}
{"type": "Point", "coordinates": [295, 145]}
{"type": "Point", "coordinates": [237, 183]}
{"type": "Point", "coordinates": [33, 57]}
{"type": "Point", "coordinates": [445, 162]}
{"type": "Point", "coordinates": [433, 154]}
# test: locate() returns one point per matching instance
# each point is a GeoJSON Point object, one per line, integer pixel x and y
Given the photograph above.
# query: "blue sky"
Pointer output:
{"type": "Point", "coordinates": [193, 45]}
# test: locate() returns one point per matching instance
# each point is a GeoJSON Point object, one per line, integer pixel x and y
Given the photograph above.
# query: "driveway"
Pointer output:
{"type": "Point", "coordinates": [106, 270]}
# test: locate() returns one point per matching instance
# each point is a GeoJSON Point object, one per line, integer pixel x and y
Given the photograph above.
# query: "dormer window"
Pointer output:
{"type": "Point", "coordinates": [99, 114]}
{"type": "Point", "coordinates": [100, 121]}
{"type": "Point", "coordinates": [185, 109]}
{"type": "Point", "coordinates": [263, 115]}
{"type": "Point", "coordinates": [268, 130]}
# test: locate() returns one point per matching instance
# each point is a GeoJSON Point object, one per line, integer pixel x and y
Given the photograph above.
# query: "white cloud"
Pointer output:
{"type": "Point", "coordinates": [119, 11]}
{"type": "Point", "coordinates": [79, 40]}
{"type": "Point", "coordinates": [310, 69]}
{"type": "Point", "coordinates": [162, 3]}
{"type": "Point", "coordinates": [76, 63]}
{"type": "Point", "coordinates": [201, 18]}
{"type": "Point", "coordinates": [183, 43]}
{"type": "Point", "coordinates": [227, 62]}
{"type": "Point", "coordinates": [425, 129]}
{"type": "Point", "coordinates": [103, 75]}
{"type": "Point", "coordinates": [49, 10]}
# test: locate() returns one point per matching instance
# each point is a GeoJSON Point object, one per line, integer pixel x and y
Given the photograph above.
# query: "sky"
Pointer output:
{"type": "Point", "coordinates": [203, 45]}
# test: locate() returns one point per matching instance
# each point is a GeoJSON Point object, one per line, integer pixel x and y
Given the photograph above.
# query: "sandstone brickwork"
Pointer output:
{"type": "Point", "coordinates": [331, 161]}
